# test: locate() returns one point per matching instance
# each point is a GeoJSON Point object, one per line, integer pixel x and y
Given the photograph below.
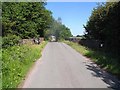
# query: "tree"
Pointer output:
{"type": "Point", "coordinates": [25, 19]}
{"type": "Point", "coordinates": [103, 25]}
{"type": "Point", "coordinates": [59, 30]}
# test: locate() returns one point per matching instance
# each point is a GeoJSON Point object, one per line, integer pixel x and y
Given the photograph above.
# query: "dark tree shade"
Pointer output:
{"type": "Point", "coordinates": [104, 25]}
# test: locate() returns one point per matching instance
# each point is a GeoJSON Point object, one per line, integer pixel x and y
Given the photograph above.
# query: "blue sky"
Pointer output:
{"type": "Point", "coordinates": [73, 14]}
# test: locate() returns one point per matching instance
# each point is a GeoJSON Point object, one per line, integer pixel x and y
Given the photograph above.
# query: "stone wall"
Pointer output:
{"type": "Point", "coordinates": [31, 41]}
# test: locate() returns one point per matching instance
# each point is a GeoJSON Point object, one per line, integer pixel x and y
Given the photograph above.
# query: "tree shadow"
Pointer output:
{"type": "Point", "coordinates": [109, 79]}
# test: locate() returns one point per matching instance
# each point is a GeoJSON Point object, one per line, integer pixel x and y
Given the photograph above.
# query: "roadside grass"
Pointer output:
{"type": "Point", "coordinates": [104, 60]}
{"type": "Point", "coordinates": [0, 62]}
{"type": "Point", "coordinates": [16, 61]}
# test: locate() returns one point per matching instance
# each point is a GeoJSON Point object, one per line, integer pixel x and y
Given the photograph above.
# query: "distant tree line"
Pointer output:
{"type": "Point", "coordinates": [104, 26]}
{"type": "Point", "coordinates": [59, 30]}
{"type": "Point", "coordinates": [28, 20]}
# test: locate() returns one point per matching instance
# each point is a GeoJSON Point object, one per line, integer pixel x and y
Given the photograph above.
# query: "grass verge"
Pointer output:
{"type": "Point", "coordinates": [105, 61]}
{"type": "Point", "coordinates": [16, 61]}
{"type": "Point", "coordinates": [0, 62]}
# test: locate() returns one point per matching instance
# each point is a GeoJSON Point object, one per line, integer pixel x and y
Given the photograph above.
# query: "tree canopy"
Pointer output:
{"type": "Point", "coordinates": [31, 19]}
{"type": "Point", "coordinates": [25, 19]}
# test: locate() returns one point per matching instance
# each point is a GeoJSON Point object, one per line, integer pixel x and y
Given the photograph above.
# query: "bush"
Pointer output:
{"type": "Point", "coordinates": [10, 40]}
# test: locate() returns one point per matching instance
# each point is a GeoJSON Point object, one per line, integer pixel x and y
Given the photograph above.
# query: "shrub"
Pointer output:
{"type": "Point", "coordinates": [10, 40]}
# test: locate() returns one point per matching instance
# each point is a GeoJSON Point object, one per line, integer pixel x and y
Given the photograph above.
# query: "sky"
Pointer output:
{"type": "Point", "coordinates": [73, 14]}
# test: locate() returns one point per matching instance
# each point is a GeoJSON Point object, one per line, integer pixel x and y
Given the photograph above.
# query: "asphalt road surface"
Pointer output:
{"type": "Point", "coordinates": [62, 67]}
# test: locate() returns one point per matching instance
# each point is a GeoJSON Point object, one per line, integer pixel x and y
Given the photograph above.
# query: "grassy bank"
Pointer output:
{"type": "Point", "coordinates": [0, 62]}
{"type": "Point", "coordinates": [104, 60]}
{"type": "Point", "coordinates": [16, 61]}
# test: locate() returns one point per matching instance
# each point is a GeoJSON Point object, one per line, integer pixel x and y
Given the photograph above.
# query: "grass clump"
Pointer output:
{"type": "Point", "coordinates": [16, 61]}
{"type": "Point", "coordinates": [106, 61]}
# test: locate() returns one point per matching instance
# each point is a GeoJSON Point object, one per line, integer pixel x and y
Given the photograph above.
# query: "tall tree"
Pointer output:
{"type": "Point", "coordinates": [103, 25]}
{"type": "Point", "coordinates": [25, 19]}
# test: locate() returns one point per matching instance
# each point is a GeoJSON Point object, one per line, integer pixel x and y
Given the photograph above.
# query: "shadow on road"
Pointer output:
{"type": "Point", "coordinates": [106, 77]}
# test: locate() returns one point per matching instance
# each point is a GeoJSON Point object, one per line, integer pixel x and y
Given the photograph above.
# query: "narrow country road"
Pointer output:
{"type": "Point", "coordinates": [62, 67]}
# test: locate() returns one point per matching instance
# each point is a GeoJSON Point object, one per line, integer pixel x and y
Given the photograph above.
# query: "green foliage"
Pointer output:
{"type": "Point", "coordinates": [106, 61]}
{"type": "Point", "coordinates": [103, 25]}
{"type": "Point", "coordinates": [0, 62]}
{"type": "Point", "coordinates": [28, 20]}
{"type": "Point", "coordinates": [25, 19]}
{"type": "Point", "coordinates": [10, 40]}
{"type": "Point", "coordinates": [16, 61]}
{"type": "Point", "coordinates": [59, 30]}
